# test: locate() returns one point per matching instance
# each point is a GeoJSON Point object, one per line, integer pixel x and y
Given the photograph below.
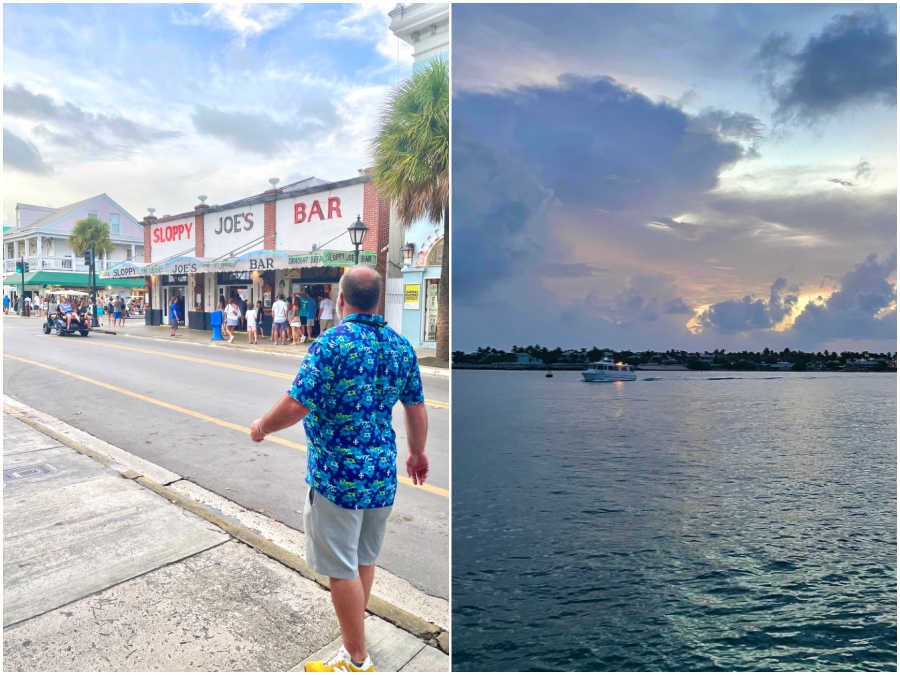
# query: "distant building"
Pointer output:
{"type": "Point", "coordinates": [782, 365]}
{"type": "Point", "coordinates": [526, 359]}
{"type": "Point", "coordinates": [41, 238]}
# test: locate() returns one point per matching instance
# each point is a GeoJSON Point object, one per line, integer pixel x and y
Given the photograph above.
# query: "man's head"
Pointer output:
{"type": "Point", "coordinates": [360, 290]}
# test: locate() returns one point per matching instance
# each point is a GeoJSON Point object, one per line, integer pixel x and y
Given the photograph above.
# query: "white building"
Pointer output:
{"type": "Point", "coordinates": [40, 237]}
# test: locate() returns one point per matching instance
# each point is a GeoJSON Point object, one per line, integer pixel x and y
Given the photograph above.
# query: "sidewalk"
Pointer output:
{"type": "Point", "coordinates": [109, 567]}
{"type": "Point", "coordinates": [136, 328]}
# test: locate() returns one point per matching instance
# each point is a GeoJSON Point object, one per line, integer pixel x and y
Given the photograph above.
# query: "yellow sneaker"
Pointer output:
{"type": "Point", "coordinates": [340, 663]}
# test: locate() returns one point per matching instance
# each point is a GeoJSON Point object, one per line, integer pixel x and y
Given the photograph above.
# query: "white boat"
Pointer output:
{"type": "Point", "coordinates": [607, 371]}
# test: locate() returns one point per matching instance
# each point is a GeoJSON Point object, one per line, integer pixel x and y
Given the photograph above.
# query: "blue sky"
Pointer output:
{"type": "Point", "coordinates": [689, 176]}
{"type": "Point", "coordinates": [156, 104]}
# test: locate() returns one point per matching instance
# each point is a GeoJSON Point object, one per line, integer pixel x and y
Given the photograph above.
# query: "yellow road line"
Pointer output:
{"type": "Point", "coordinates": [201, 416]}
{"type": "Point", "coordinates": [224, 364]}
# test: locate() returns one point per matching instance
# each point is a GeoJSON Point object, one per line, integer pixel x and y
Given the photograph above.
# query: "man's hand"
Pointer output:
{"type": "Point", "coordinates": [417, 467]}
{"type": "Point", "coordinates": [256, 432]}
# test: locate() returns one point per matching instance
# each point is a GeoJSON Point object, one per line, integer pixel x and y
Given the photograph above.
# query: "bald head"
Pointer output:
{"type": "Point", "coordinates": [361, 288]}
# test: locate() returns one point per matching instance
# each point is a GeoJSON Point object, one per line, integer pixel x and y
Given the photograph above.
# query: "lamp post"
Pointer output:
{"type": "Point", "coordinates": [357, 233]}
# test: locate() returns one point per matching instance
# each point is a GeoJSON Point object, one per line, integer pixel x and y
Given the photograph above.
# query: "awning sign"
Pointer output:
{"type": "Point", "coordinates": [411, 296]}
{"type": "Point", "coordinates": [331, 258]}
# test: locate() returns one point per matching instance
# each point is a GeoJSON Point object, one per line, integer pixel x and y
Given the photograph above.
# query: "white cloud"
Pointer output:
{"type": "Point", "coordinates": [245, 20]}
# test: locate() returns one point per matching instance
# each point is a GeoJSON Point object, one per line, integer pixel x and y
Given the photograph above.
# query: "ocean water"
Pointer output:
{"type": "Point", "coordinates": [685, 522]}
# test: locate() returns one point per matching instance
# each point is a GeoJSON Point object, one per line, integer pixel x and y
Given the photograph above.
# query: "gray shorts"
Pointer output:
{"type": "Point", "coordinates": [338, 540]}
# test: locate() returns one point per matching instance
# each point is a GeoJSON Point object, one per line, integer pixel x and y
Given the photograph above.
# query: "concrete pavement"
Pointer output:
{"type": "Point", "coordinates": [112, 563]}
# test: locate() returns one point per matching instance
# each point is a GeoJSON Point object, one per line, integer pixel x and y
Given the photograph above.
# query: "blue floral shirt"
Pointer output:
{"type": "Point", "coordinates": [350, 380]}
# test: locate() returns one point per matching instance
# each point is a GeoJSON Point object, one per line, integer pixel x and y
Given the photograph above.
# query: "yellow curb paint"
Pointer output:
{"type": "Point", "coordinates": [224, 364]}
{"type": "Point", "coordinates": [207, 418]}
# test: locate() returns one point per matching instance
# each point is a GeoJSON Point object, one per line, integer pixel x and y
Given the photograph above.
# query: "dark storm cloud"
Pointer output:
{"type": "Point", "coordinates": [841, 181]}
{"type": "Point", "coordinates": [73, 124]}
{"type": "Point", "coordinates": [853, 60]}
{"type": "Point", "coordinates": [747, 314]}
{"type": "Point", "coordinates": [863, 170]}
{"type": "Point", "coordinates": [262, 134]}
{"type": "Point", "coordinates": [727, 124]}
{"type": "Point", "coordinates": [590, 143]}
{"type": "Point", "coordinates": [20, 154]}
{"type": "Point", "coordinates": [850, 312]}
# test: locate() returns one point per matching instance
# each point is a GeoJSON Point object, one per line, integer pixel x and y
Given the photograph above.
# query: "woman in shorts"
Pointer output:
{"type": "Point", "coordinates": [295, 320]}
{"type": "Point", "coordinates": [232, 314]}
{"type": "Point", "coordinates": [117, 314]}
{"type": "Point", "coordinates": [250, 315]}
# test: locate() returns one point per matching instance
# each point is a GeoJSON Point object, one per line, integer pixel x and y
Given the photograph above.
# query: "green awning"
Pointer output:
{"type": "Point", "coordinates": [34, 280]}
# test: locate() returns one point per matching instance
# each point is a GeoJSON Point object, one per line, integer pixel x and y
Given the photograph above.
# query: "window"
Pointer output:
{"type": "Point", "coordinates": [92, 213]}
{"type": "Point", "coordinates": [114, 223]}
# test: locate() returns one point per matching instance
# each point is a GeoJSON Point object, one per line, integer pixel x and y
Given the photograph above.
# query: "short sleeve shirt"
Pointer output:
{"type": "Point", "coordinates": [308, 307]}
{"type": "Point", "coordinates": [279, 310]}
{"type": "Point", "coordinates": [350, 380]}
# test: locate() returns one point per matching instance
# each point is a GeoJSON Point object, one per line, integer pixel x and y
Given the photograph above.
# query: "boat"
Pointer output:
{"type": "Point", "coordinates": [607, 371]}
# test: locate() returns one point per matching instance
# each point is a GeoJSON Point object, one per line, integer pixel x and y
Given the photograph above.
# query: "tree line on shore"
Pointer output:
{"type": "Point", "coordinates": [767, 359]}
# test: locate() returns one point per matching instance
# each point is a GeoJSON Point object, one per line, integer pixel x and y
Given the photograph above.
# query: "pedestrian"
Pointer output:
{"type": "Point", "coordinates": [279, 320]}
{"type": "Point", "coordinates": [326, 314]}
{"type": "Point", "coordinates": [232, 314]}
{"type": "Point", "coordinates": [121, 308]}
{"type": "Point", "coordinates": [250, 315]}
{"type": "Point", "coordinates": [309, 313]}
{"type": "Point", "coordinates": [295, 319]}
{"type": "Point", "coordinates": [344, 392]}
{"type": "Point", "coordinates": [116, 313]}
{"type": "Point", "coordinates": [6, 302]}
{"type": "Point", "coordinates": [173, 317]}
{"type": "Point", "coordinates": [100, 313]}
{"type": "Point", "coordinates": [27, 305]}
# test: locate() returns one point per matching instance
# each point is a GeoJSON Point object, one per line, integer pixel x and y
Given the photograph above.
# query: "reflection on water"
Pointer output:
{"type": "Point", "coordinates": [680, 523]}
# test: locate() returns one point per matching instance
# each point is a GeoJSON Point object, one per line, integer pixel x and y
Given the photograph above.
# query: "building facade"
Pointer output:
{"type": "Point", "coordinates": [257, 248]}
{"type": "Point", "coordinates": [416, 277]}
{"type": "Point", "coordinates": [40, 237]}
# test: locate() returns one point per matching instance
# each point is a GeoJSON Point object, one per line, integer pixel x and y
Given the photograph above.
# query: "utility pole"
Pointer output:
{"type": "Point", "coordinates": [22, 268]}
{"type": "Point", "coordinates": [94, 322]}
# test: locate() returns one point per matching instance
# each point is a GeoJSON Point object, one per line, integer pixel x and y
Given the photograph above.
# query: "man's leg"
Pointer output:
{"type": "Point", "coordinates": [367, 576]}
{"type": "Point", "coordinates": [349, 599]}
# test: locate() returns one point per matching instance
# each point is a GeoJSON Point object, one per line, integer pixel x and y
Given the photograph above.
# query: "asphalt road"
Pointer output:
{"type": "Point", "coordinates": [177, 405]}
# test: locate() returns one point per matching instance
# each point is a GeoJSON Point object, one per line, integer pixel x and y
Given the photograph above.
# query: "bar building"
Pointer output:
{"type": "Point", "coordinates": [259, 247]}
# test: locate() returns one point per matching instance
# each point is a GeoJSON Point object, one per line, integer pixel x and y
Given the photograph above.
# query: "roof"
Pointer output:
{"type": "Point", "coordinates": [34, 280]}
{"type": "Point", "coordinates": [46, 223]}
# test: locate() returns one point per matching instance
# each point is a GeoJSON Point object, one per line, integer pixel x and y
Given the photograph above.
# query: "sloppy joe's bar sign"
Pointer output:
{"type": "Point", "coordinates": [230, 229]}
{"type": "Point", "coordinates": [172, 237]}
{"type": "Point", "coordinates": [316, 218]}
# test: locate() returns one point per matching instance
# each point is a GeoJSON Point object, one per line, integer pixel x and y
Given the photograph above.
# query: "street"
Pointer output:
{"type": "Point", "coordinates": [188, 408]}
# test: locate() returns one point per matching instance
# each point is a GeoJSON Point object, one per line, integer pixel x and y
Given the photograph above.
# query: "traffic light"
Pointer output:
{"type": "Point", "coordinates": [26, 266]}
{"type": "Point", "coordinates": [88, 258]}
{"type": "Point", "coordinates": [21, 266]}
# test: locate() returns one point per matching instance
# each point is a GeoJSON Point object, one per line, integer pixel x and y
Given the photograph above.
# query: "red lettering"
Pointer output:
{"type": "Point", "coordinates": [316, 208]}
{"type": "Point", "coordinates": [180, 228]}
{"type": "Point", "coordinates": [156, 238]}
{"type": "Point", "coordinates": [188, 227]}
{"type": "Point", "coordinates": [334, 207]}
{"type": "Point", "coordinates": [299, 212]}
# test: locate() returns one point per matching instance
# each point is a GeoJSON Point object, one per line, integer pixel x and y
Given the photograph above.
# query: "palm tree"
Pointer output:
{"type": "Point", "coordinates": [412, 165]}
{"type": "Point", "coordinates": [91, 233]}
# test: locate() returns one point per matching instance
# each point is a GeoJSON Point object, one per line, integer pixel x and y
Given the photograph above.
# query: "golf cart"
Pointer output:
{"type": "Point", "coordinates": [56, 320]}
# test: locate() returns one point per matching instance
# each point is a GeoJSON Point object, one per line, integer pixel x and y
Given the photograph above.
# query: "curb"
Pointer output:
{"type": "Point", "coordinates": [424, 630]}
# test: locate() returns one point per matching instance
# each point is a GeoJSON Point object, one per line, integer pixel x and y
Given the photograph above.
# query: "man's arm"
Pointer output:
{"type": "Point", "coordinates": [416, 433]}
{"type": "Point", "coordinates": [287, 412]}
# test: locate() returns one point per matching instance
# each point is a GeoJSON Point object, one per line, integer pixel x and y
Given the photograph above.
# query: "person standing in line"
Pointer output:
{"type": "Point", "coordinates": [279, 320]}
{"type": "Point", "coordinates": [309, 310]}
{"type": "Point", "coordinates": [232, 314]}
{"type": "Point", "coordinates": [294, 319]}
{"type": "Point", "coordinates": [326, 314]}
{"type": "Point", "coordinates": [345, 392]}
{"type": "Point", "coordinates": [173, 317]}
{"type": "Point", "coordinates": [250, 316]}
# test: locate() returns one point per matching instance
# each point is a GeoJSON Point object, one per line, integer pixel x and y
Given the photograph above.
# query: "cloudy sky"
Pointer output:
{"type": "Point", "coordinates": [156, 104]}
{"type": "Point", "coordinates": [673, 176]}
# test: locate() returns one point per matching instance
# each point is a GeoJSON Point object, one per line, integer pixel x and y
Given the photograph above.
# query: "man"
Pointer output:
{"type": "Point", "coordinates": [344, 392]}
{"type": "Point", "coordinates": [308, 309]}
{"type": "Point", "coordinates": [6, 304]}
{"type": "Point", "coordinates": [326, 312]}
{"type": "Point", "coordinates": [279, 320]}
{"type": "Point", "coordinates": [174, 316]}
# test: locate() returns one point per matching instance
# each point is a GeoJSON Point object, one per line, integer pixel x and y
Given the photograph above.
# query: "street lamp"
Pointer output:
{"type": "Point", "coordinates": [408, 252]}
{"type": "Point", "coordinates": [357, 233]}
